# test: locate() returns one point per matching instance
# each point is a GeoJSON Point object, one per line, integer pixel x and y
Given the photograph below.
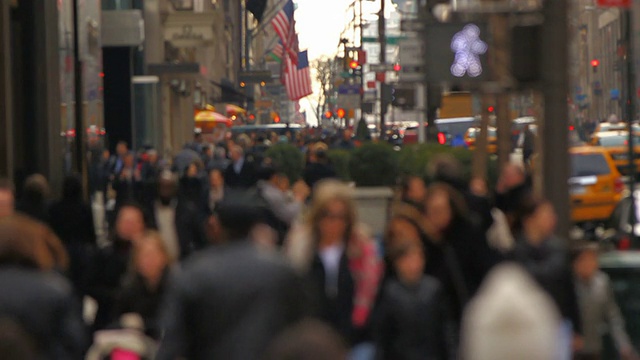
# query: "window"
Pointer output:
{"type": "Point", "coordinates": [589, 165]}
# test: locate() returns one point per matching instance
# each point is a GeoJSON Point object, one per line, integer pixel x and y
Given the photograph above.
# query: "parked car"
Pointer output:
{"type": "Point", "coordinates": [470, 138]}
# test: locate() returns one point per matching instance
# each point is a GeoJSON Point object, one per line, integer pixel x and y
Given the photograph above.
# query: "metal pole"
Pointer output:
{"type": "Point", "coordinates": [247, 39]}
{"type": "Point", "coordinates": [382, 34]}
{"type": "Point", "coordinates": [554, 131]}
{"type": "Point", "coordinates": [629, 110]}
{"type": "Point", "coordinates": [361, 64]}
{"type": "Point", "coordinates": [79, 111]}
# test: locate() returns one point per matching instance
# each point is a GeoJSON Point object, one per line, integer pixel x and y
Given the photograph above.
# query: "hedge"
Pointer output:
{"type": "Point", "coordinates": [378, 164]}
{"type": "Point", "coordinates": [374, 164]}
{"type": "Point", "coordinates": [288, 158]}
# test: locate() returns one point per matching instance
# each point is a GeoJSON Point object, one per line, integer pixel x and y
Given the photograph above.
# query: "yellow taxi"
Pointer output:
{"type": "Point", "coordinates": [595, 185]}
{"type": "Point", "coordinates": [471, 135]}
{"type": "Point", "coordinates": [617, 144]}
{"type": "Point", "coordinates": [609, 126]}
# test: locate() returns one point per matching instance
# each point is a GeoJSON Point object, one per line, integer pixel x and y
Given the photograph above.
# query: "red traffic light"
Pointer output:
{"type": "Point", "coordinates": [397, 67]}
{"type": "Point", "coordinates": [595, 63]}
{"type": "Point", "coordinates": [442, 138]}
{"type": "Point", "coordinates": [341, 113]}
{"type": "Point", "coordinates": [491, 109]}
{"type": "Point", "coordinates": [276, 119]}
{"type": "Point", "coordinates": [252, 117]}
{"type": "Point", "coordinates": [328, 115]}
{"type": "Point", "coordinates": [354, 64]}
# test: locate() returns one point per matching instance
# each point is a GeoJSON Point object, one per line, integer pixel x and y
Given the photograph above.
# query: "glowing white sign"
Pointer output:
{"type": "Point", "coordinates": [468, 47]}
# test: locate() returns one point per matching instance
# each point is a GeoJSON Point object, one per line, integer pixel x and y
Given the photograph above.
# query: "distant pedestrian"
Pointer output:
{"type": "Point", "coordinates": [318, 167]}
{"type": "Point", "coordinates": [110, 264]}
{"type": "Point", "coordinates": [35, 198]}
{"type": "Point", "coordinates": [71, 219]}
{"type": "Point", "coordinates": [544, 257]}
{"type": "Point", "coordinates": [598, 307]}
{"type": "Point", "coordinates": [215, 192]}
{"type": "Point", "coordinates": [241, 173]}
{"type": "Point", "coordinates": [176, 218]}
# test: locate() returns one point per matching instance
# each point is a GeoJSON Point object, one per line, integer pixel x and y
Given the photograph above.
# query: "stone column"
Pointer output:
{"type": "Point", "coordinates": [6, 114]}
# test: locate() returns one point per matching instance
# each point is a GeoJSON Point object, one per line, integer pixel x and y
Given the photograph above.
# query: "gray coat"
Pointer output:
{"type": "Point", "coordinates": [600, 314]}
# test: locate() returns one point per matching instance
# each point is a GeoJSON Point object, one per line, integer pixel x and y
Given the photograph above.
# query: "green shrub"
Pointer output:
{"type": "Point", "coordinates": [288, 158]}
{"type": "Point", "coordinates": [415, 159]}
{"type": "Point", "coordinates": [339, 159]}
{"type": "Point", "coordinates": [374, 164]}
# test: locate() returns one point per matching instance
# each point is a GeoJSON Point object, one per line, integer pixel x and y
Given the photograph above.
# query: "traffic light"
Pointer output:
{"type": "Point", "coordinates": [442, 138]}
{"type": "Point", "coordinates": [594, 65]}
{"type": "Point", "coordinates": [341, 113]}
{"type": "Point", "coordinates": [328, 115]}
{"type": "Point", "coordinates": [397, 67]}
{"type": "Point", "coordinates": [355, 68]}
{"type": "Point", "coordinates": [491, 109]}
{"type": "Point", "coordinates": [276, 119]}
{"type": "Point", "coordinates": [387, 92]}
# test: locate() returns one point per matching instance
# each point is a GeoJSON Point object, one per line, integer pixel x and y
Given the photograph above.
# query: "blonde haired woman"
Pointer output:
{"type": "Point", "coordinates": [144, 287]}
{"type": "Point", "coordinates": [338, 259]}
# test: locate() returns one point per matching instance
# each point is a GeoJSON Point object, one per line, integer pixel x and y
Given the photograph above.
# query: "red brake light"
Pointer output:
{"type": "Point", "coordinates": [618, 185]}
{"type": "Point", "coordinates": [624, 243]}
{"type": "Point", "coordinates": [442, 139]}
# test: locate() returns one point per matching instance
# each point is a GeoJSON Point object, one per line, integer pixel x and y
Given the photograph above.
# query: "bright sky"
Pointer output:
{"type": "Point", "coordinates": [319, 24]}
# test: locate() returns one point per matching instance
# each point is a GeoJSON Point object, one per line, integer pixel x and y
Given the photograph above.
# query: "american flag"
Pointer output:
{"type": "Point", "coordinates": [297, 78]}
{"type": "Point", "coordinates": [278, 51]}
{"type": "Point", "coordinates": [285, 26]}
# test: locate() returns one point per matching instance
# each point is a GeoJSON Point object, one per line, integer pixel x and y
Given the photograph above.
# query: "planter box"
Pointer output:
{"type": "Point", "coordinates": [373, 205]}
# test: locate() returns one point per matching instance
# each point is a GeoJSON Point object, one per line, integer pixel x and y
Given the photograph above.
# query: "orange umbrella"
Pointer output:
{"type": "Point", "coordinates": [234, 109]}
{"type": "Point", "coordinates": [212, 116]}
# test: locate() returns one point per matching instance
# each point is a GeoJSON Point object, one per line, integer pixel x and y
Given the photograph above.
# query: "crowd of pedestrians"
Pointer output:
{"type": "Point", "coordinates": [216, 254]}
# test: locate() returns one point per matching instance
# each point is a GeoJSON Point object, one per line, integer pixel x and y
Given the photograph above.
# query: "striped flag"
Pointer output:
{"type": "Point", "coordinates": [277, 52]}
{"type": "Point", "coordinates": [297, 78]}
{"type": "Point", "coordinates": [285, 26]}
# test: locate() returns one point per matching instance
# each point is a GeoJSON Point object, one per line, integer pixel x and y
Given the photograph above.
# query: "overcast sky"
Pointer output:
{"type": "Point", "coordinates": [319, 24]}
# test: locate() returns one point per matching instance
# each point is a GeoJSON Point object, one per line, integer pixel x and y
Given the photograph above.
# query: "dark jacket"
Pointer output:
{"type": "Point", "coordinates": [412, 322]}
{"type": "Point", "coordinates": [315, 172]}
{"type": "Point", "coordinates": [44, 305]}
{"type": "Point", "coordinates": [127, 191]}
{"type": "Point", "coordinates": [137, 297]}
{"type": "Point", "coordinates": [245, 179]}
{"type": "Point", "coordinates": [189, 226]}
{"type": "Point", "coordinates": [72, 220]}
{"type": "Point", "coordinates": [550, 267]}
{"type": "Point", "coordinates": [334, 309]}
{"type": "Point", "coordinates": [103, 279]}
{"type": "Point", "coordinates": [229, 303]}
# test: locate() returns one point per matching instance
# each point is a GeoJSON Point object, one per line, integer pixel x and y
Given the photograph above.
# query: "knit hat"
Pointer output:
{"type": "Point", "coordinates": [510, 318]}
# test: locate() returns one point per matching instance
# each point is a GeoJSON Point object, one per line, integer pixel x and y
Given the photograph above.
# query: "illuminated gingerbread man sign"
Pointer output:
{"type": "Point", "coordinates": [468, 47]}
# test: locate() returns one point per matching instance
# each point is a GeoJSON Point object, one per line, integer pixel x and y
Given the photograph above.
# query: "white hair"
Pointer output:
{"type": "Point", "coordinates": [510, 318]}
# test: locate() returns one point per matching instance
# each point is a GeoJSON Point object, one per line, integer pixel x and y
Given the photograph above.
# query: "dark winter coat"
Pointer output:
{"type": "Point", "coordinates": [315, 172]}
{"type": "Point", "coordinates": [229, 303]}
{"type": "Point", "coordinates": [43, 304]}
{"type": "Point", "coordinates": [106, 273]}
{"type": "Point", "coordinates": [549, 265]}
{"type": "Point", "coordinates": [189, 226]}
{"type": "Point", "coordinates": [137, 297]}
{"type": "Point", "coordinates": [412, 322]}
